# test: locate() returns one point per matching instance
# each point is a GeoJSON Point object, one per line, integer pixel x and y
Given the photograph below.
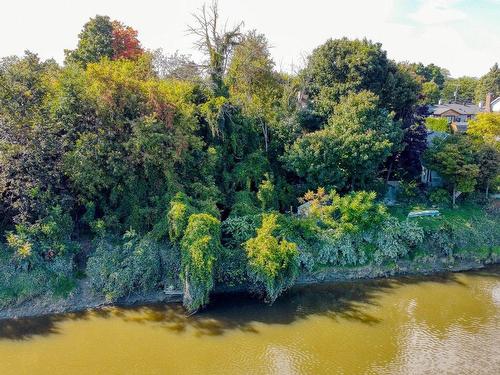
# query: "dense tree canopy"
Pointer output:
{"type": "Point", "coordinates": [101, 38]}
{"type": "Point", "coordinates": [460, 89]}
{"type": "Point", "coordinates": [145, 171]}
{"type": "Point", "coordinates": [455, 160]}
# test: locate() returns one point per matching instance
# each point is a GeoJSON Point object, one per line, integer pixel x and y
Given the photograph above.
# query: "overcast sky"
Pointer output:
{"type": "Point", "coordinates": [462, 36]}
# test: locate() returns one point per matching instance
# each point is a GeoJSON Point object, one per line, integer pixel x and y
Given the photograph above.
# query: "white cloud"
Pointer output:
{"type": "Point", "coordinates": [438, 11]}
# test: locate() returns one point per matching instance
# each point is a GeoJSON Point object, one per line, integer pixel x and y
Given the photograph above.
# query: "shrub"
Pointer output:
{"type": "Point", "coordinates": [479, 233]}
{"type": "Point", "coordinates": [178, 216]}
{"type": "Point", "coordinates": [304, 233]}
{"type": "Point", "coordinates": [200, 248]}
{"type": "Point", "coordinates": [273, 263]}
{"type": "Point", "coordinates": [409, 190]}
{"type": "Point", "coordinates": [340, 250]}
{"type": "Point", "coordinates": [18, 283]}
{"type": "Point", "coordinates": [440, 197]}
{"type": "Point", "coordinates": [237, 230]}
{"type": "Point", "coordinates": [351, 213]}
{"type": "Point", "coordinates": [48, 237]}
{"type": "Point", "coordinates": [441, 241]}
{"type": "Point", "coordinates": [395, 239]}
{"type": "Point", "coordinates": [438, 124]}
{"type": "Point", "coordinates": [266, 194]}
{"type": "Point", "coordinates": [116, 270]}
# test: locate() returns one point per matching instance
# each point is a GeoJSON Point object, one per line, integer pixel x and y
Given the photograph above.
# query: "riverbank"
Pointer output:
{"type": "Point", "coordinates": [82, 297]}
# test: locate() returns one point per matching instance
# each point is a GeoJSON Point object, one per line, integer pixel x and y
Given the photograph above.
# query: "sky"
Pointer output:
{"type": "Point", "coordinates": [460, 35]}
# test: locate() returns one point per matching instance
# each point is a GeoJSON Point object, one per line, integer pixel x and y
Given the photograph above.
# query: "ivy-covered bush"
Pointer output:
{"type": "Point", "coordinates": [273, 262]}
{"type": "Point", "coordinates": [118, 269]}
{"type": "Point", "coordinates": [178, 216]}
{"type": "Point", "coordinates": [266, 194]}
{"type": "Point", "coordinates": [395, 239]}
{"type": "Point", "coordinates": [19, 283]}
{"type": "Point", "coordinates": [231, 265]}
{"type": "Point", "coordinates": [37, 259]}
{"type": "Point", "coordinates": [236, 230]}
{"type": "Point", "coordinates": [343, 250]}
{"type": "Point", "coordinates": [244, 204]}
{"type": "Point", "coordinates": [200, 248]}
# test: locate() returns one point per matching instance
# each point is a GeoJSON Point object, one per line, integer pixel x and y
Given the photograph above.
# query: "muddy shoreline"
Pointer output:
{"type": "Point", "coordinates": [82, 297]}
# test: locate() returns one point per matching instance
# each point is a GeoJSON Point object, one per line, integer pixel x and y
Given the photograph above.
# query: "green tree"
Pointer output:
{"type": "Point", "coordinates": [358, 139]}
{"type": "Point", "coordinates": [488, 160]}
{"type": "Point", "coordinates": [431, 93]}
{"type": "Point", "coordinates": [454, 159]}
{"type": "Point", "coordinates": [267, 194]}
{"type": "Point", "coordinates": [342, 66]}
{"type": "Point", "coordinates": [486, 126]}
{"type": "Point", "coordinates": [432, 73]}
{"type": "Point", "coordinates": [366, 134]}
{"type": "Point", "coordinates": [316, 159]}
{"type": "Point", "coordinates": [273, 262]}
{"type": "Point", "coordinates": [252, 82]}
{"type": "Point", "coordinates": [95, 41]}
{"type": "Point", "coordinates": [200, 247]}
{"type": "Point", "coordinates": [460, 89]}
{"type": "Point", "coordinates": [31, 142]}
{"type": "Point", "coordinates": [489, 83]}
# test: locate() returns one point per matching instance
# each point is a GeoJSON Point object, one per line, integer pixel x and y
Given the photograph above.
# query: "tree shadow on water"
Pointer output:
{"type": "Point", "coordinates": [351, 301]}
{"type": "Point", "coordinates": [28, 328]}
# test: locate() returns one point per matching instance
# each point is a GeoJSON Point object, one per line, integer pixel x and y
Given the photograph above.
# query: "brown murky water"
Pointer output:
{"type": "Point", "coordinates": [448, 324]}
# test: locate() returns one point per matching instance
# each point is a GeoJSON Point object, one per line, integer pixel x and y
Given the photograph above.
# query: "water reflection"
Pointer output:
{"type": "Point", "coordinates": [348, 301]}
{"type": "Point", "coordinates": [411, 325]}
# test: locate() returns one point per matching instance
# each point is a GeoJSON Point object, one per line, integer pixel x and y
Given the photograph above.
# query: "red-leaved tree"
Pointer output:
{"type": "Point", "coordinates": [125, 42]}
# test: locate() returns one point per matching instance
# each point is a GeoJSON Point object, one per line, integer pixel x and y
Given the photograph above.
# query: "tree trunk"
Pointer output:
{"type": "Point", "coordinates": [265, 131]}
{"type": "Point", "coordinates": [453, 195]}
{"type": "Point", "coordinates": [389, 171]}
{"type": "Point", "coordinates": [487, 190]}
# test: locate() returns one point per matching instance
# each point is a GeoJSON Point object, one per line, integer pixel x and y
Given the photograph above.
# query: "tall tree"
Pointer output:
{"type": "Point", "coordinates": [359, 137]}
{"type": "Point", "coordinates": [486, 126]}
{"type": "Point", "coordinates": [367, 135]}
{"type": "Point", "coordinates": [431, 73]}
{"type": "Point", "coordinates": [31, 142]}
{"type": "Point", "coordinates": [460, 89]}
{"type": "Point", "coordinates": [455, 160]}
{"type": "Point", "coordinates": [341, 66]}
{"type": "Point", "coordinates": [95, 41]}
{"type": "Point", "coordinates": [176, 65]}
{"type": "Point", "coordinates": [125, 43]}
{"type": "Point", "coordinates": [489, 83]}
{"type": "Point", "coordinates": [252, 82]}
{"type": "Point", "coordinates": [216, 42]}
{"type": "Point", "coordinates": [488, 160]}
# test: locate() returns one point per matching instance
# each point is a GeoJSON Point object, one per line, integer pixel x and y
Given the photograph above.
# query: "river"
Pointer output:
{"type": "Point", "coordinates": [446, 324]}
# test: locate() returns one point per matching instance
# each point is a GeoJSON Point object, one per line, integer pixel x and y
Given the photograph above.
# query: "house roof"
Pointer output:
{"type": "Point", "coordinates": [462, 109]}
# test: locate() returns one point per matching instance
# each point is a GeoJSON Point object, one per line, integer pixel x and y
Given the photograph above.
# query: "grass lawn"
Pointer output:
{"type": "Point", "coordinates": [456, 217]}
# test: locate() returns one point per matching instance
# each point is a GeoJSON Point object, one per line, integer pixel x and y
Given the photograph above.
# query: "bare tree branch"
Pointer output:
{"type": "Point", "coordinates": [217, 44]}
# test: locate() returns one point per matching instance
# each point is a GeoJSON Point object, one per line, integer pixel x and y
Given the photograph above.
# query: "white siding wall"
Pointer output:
{"type": "Point", "coordinates": [496, 107]}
